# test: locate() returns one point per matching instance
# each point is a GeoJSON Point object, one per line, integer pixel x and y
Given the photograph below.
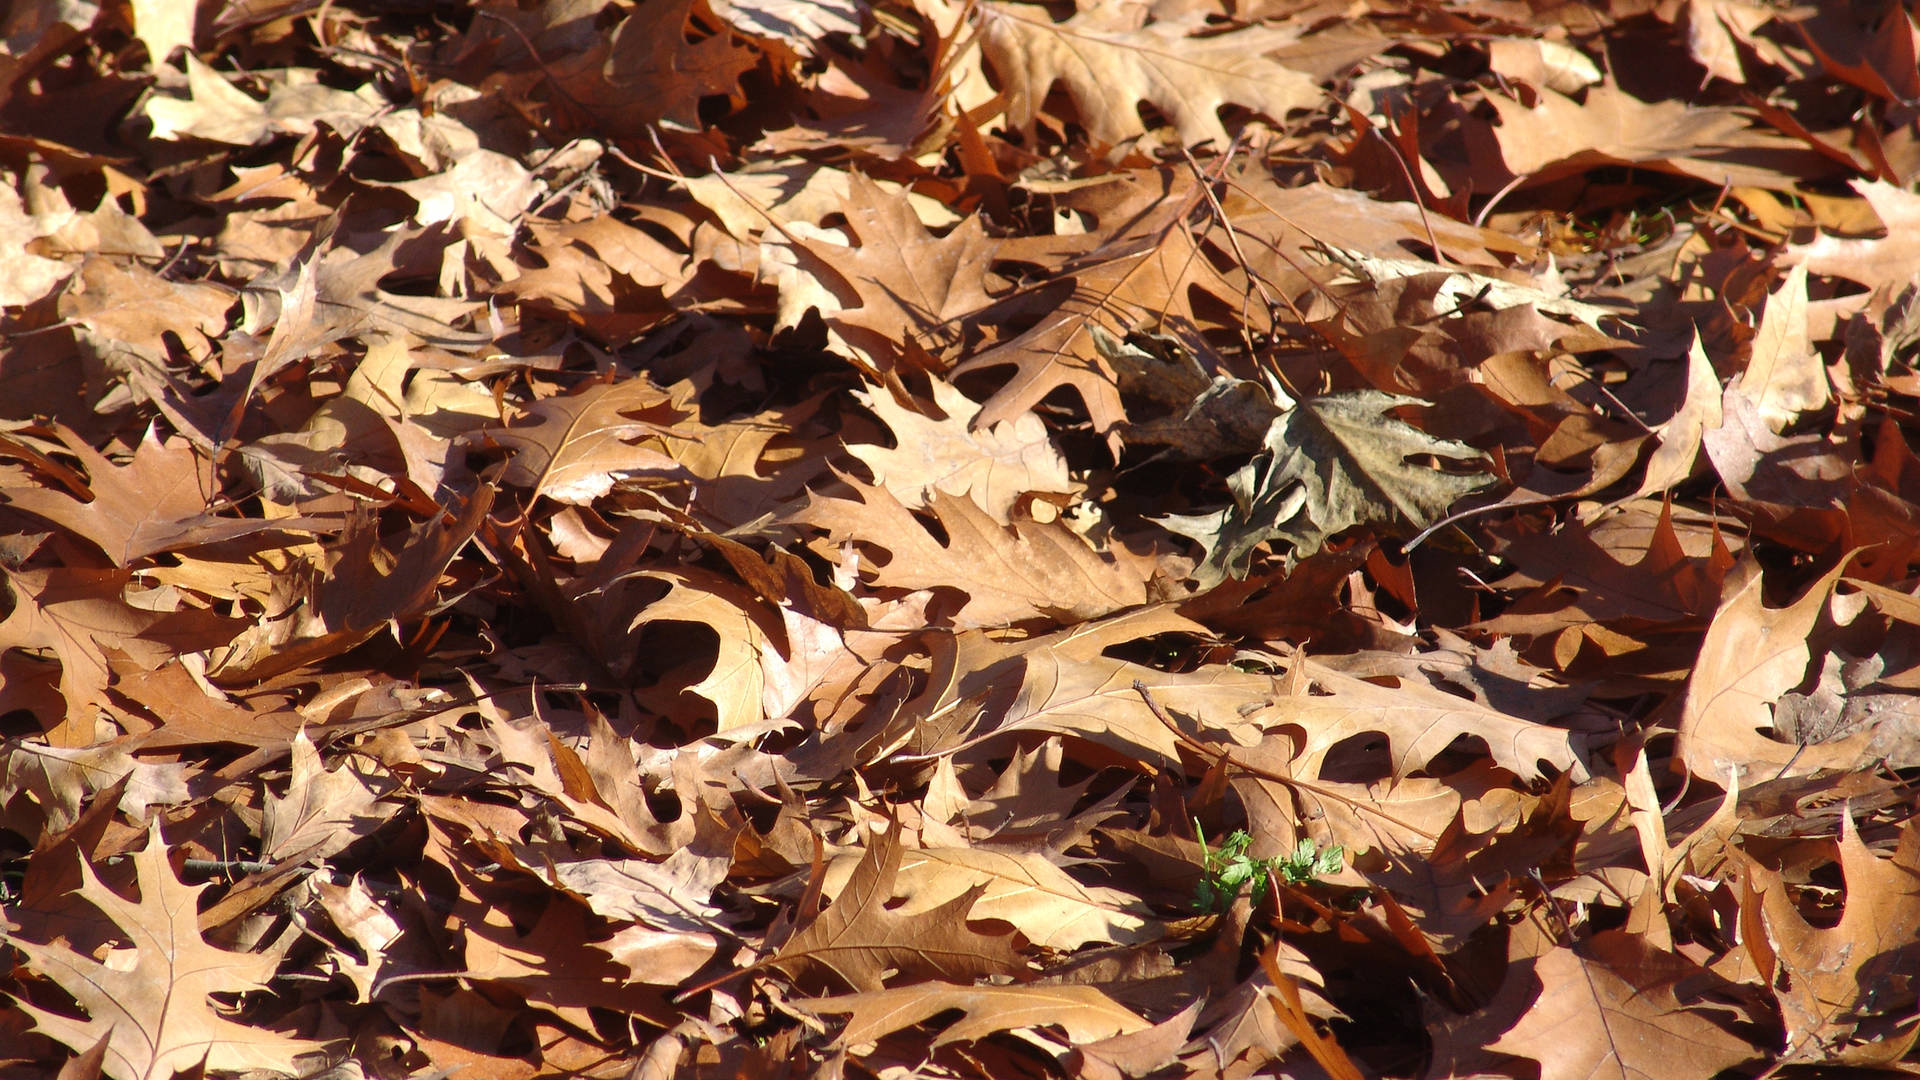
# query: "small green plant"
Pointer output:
{"type": "Point", "coordinates": [1228, 868]}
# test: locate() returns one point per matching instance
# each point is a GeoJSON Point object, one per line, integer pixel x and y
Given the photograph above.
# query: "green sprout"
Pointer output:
{"type": "Point", "coordinates": [1228, 868]}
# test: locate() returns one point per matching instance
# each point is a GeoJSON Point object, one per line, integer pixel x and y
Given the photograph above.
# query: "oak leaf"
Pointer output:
{"type": "Point", "coordinates": [1558, 136]}
{"type": "Point", "coordinates": [899, 294]}
{"type": "Point", "coordinates": [1142, 274]}
{"type": "Point", "coordinates": [981, 690]}
{"type": "Point", "coordinates": [1606, 1011]}
{"type": "Point", "coordinates": [1084, 1013]}
{"type": "Point", "coordinates": [154, 1006]}
{"type": "Point", "coordinates": [1831, 979]}
{"type": "Point", "coordinates": [1785, 376]}
{"type": "Point", "coordinates": [1022, 888]}
{"type": "Point", "coordinates": [798, 24]}
{"type": "Point", "coordinates": [993, 466]}
{"type": "Point", "coordinates": [860, 939]}
{"type": "Point", "coordinates": [1328, 464]}
{"type": "Point", "coordinates": [1753, 654]}
{"type": "Point", "coordinates": [1110, 67]}
{"type": "Point", "coordinates": [571, 448]}
{"type": "Point", "coordinates": [650, 69]}
{"type": "Point", "coordinates": [1872, 261]}
{"type": "Point", "coordinates": [323, 811]}
{"type": "Point", "coordinates": [359, 593]}
{"type": "Point", "coordinates": [213, 108]}
{"type": "Point", "coordinates": [82, 615]}
{"type": "Point", "coordinates": [157, 502]}
{"type": "Point", "coordinates": [1026, 571]}
{"type": "Point", "coordinates": [61, 777]}
{"type": "Point", "coordinates": [1679, 438]}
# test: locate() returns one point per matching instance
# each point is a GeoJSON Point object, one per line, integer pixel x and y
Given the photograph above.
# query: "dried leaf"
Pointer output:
{"type": "Point", "coordinates": [151, 999]}
{"type": "Point", "coordinates": [1330, 463]}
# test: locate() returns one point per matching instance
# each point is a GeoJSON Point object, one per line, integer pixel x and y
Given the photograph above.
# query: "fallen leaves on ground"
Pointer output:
{"type": "Point", "coordinates": [703, 538]}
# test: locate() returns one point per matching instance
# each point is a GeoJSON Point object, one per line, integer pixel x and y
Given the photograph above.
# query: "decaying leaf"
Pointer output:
{"type": "Point", "coordinates": [1328, 464]}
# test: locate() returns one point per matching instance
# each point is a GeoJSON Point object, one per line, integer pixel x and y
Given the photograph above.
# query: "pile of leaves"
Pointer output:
{"type": "Point", "coordinates": [958, 538]}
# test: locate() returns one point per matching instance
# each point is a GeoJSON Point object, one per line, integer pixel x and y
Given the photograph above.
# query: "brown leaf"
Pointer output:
{"type": "Point", "coordinates": [902, 292]}
{"type": "Point", "coordinates": [1785, 377]}
{"type": "Point", "coordinates": [575, 446]}
{"type": "Point", "coordinates": [1751, 656]}
{"type": "Point", "coordinates": [79, 615]}
{"type": "Point", "coordinates": [1672, 460]}
{"type": "Point", "coordinates": [861, 941]}
{"type": "Point", "coordinates": [155, 503]}
{"type": "Point", "coordinates": [322, 812]}
{"type": "Point", "coordinates": [1082, 1012]}
{"type": "Point", "coordinates": [1137, 277]}
{"type": "Point", "coordinates": [1025, 889]}
{"type": "Point", "coordinates": [1830, 980]}
{"type": "Point", "coordinates": [647, 70]}
{"type": "Point", "coordinates": [1558, 136]}
{"type": "Point", "coordinates": [153, 1006]}
{"type": "Point", "coordinates": [1110, 65]}
{"type": "Point", "coordinates": [1871, 261]}
{"type": "Point", "coordinates": [1604, 1012]}
{"type": "Point", "coordinates": [993, 466]}
{"type": "Point", "coordinates": [1026, 572]}
{"type": "Point", "coordinates": [339, 610]}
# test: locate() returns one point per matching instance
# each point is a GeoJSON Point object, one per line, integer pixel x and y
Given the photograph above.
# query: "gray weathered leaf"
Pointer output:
{"type": "Point", "coordinates": [1329, 464]}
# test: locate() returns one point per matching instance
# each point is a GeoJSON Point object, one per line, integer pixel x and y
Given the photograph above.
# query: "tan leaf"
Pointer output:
{"type": "Point", "coordinates": [1028, 571]}
{"type": "Point", "coordinates": [900, 292]}
{"type": "Point", "coordinates": [1785, 377]}
{"type": "Point", "coordinates": [736, 683]}
{"type": "Point", "coordinates": [980, 691]}
{"type": "Point", "coordinates": [125, 314]}
{"type": "Point", "coordinates": [649, 69]}
{"type": "Point", "coordinates": [79, 615]}
{"type": "Point", "coordinates": [572, 448]}
{"type": "Point", "coordinates": [156, 502]}
{"type": "Point", "coordinates": [1023, 888]}
{"type": "Point", "coordinates": [1559, 136]}
{"type": "Point", "coordinates": [163, 26]}
{"type": "Point", "coordinates": [30, 275]}
{"type": "Point", "coordinates": [1831, 978]}
{"type": "Point", "coordinates": [1752, 655]}
{"type": "Point", "coordinates": [1082, 1012]}
{"type": "Point", "coordinates": [1606, 1012]}
{"type": "Point", "coordinates": [484, 191]}
{"type": "Point", "coordinates": [367, 923]}
{"type": "Point", "coordinates": [60, 777]}
{"type": "Point", "coordinates": [1110, 67]}
{"type": "Point", "coordinates": [859, 939]}
{"type": "Point", "coordinates": [1420, 720]}
{"type": "Point", "coordinates": [215, 109]}
{"type": "Point", "coordinates": [799, 24]}
{"type": "Point", "coordinates": [356, 597]}
{"type": "Point", "coordinates": [322, 812]}
{"type": "Point", "coordinates": [993, 466]}
{"type": "Point", "coordinates": [1140, 276]}
{"type": "Point", "coordinates": [1673, 459]}
{"type": "Point", "coordinates": [154, 1007]}
{"type": "Point", "coordinates": [1872, 261]}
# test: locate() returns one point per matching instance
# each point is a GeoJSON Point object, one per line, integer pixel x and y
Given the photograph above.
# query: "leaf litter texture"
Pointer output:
{"type": "Point", "coordinates": [683, 538]}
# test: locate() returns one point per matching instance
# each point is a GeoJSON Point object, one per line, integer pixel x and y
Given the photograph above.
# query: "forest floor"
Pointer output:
{"type": "Point", "coordinates": [913, 538]}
